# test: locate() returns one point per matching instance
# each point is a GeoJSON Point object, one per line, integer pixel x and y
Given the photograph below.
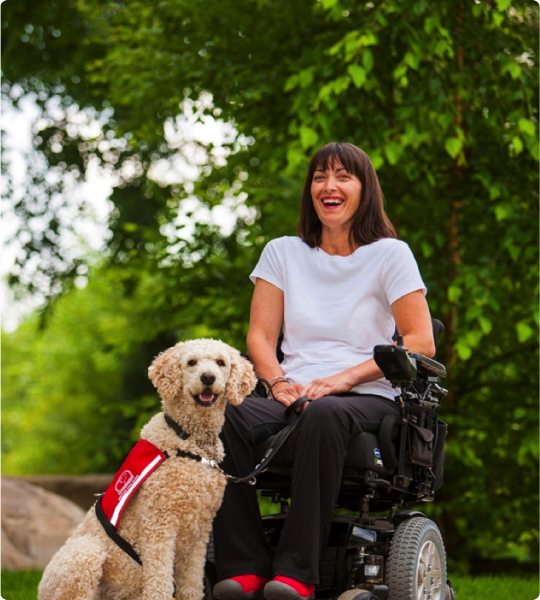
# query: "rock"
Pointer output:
{"type": "Point", "coordinates": [80, 489]}
{"type": "Point", "coordinates": [35, 524]}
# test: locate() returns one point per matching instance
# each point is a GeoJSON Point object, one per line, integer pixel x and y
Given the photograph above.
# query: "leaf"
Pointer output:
{"type": "Point", "coordinates": [306, 77]}
{"type": "Point", "coordinates": [527, 126]}
{"type": "Point", "coordinates": [367, 59]}
{"type": "Point", "coordinates": [485, 324]}
{"type": "Point", "coordinates": [501, 212]}
{"type": "Point", "coordinates": [454, 293]}
{"type": "Point", "coordinates": [308, 137]}
{"type": "Point", "coordinates": [329, 3]}
{"type": "Point", "coordinates": [291, 83]}
{"type": "Point", "coordinates": [453, 146]}
{"type": "Point", "coordinates": [393, 152]}
{"type": "Point", "coordinates": [502, 5]}
{"type": "Point", "coordinates": [358, 75]}
{"type": "Point", "coordinates": [464, 351]}
{"type": "Point", "coordinates": [517, 145]}
{"type": "Point", "coordinates": [412, 60]}
{"type": "Point", "coordinates": [524, 332]}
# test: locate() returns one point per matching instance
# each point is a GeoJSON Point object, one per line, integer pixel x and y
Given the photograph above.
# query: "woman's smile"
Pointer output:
{"type": "Point", "coordinates": [336, 195]}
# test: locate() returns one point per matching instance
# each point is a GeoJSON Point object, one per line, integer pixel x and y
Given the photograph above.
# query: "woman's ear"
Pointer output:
{"type": "Point", "coordinates": [166, 374]}
{"type": "Point", "coordinates": [242, 379]}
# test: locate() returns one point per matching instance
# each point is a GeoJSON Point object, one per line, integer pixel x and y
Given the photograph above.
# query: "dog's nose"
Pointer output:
{"type": "Point", "coordinates": [208, 378]}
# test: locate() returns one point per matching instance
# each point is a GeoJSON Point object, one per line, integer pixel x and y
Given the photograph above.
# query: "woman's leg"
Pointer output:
{"type": "Point", "coordinates": [320, 445]}
{"type": "Point", "coordinates": [239, 541]}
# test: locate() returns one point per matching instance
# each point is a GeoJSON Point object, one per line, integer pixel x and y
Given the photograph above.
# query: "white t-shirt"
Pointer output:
{"type": "Point", "coordinates": [337, 308]}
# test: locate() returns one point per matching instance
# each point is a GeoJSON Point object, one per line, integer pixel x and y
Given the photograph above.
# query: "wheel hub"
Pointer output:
{"type": "Point", "coordinates": [429, 578]}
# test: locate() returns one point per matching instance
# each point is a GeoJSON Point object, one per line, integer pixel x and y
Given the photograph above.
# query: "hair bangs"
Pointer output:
{"type": "Point", "coordinates": [335, 153]}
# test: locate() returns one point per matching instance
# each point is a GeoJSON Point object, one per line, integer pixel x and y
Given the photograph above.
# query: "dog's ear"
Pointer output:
{"type": "Point", "coordinates": [166, 374]}
{"type": "Point", "coordinates": [242, 379]}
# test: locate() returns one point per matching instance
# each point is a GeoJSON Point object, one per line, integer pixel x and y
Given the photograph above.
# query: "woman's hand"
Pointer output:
{"type": "Point", "coordinates": [287, 393]}
{"type": "Point", "coordinates": [328, 386]}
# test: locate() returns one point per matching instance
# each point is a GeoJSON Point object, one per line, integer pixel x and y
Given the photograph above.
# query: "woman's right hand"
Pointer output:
{"type": "Point", "coordinates": [287, 393]}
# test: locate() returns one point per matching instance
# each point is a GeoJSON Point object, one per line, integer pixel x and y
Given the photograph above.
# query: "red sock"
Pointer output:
{"type": "Point", "coordinates": [251, 583]}
{"type": "Point", "coordinates": [304, 589]}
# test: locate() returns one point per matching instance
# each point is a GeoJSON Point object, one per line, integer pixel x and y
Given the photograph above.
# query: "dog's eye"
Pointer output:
{"type": "Point", "coordinates": [220, 362]}
{"type": "Point", "coordinates": [192, 362]}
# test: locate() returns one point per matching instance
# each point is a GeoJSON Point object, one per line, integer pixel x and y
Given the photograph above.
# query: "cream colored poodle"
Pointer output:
{"type": "Point", "coordinates": [169, 518]}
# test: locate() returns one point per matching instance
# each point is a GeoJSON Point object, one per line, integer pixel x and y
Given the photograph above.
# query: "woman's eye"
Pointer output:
{"type": "Point", "coordinates": [191, 363]}
{"type": "Point", "coordinates": [221, 363]}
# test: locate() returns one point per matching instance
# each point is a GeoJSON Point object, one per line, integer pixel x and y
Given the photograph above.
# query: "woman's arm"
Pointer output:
{"type": "Point", "coordinates": [265, 321]}
{"type": "Point", "coordinates": [411, 314]}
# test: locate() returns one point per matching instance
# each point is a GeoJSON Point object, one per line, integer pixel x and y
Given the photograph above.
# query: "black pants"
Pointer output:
{"type": "Point", "coordinates": [319, 444]}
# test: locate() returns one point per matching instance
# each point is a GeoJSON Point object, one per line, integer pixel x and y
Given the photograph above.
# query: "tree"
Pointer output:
{"type": "Point", "coordinates": [443, 97]}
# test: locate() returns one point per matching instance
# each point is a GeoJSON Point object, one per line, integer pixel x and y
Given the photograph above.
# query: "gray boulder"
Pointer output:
{"type": "Point", "coordinates": [35, 524]}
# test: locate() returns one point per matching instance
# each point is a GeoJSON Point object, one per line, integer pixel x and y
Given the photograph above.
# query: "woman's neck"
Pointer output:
{"type": "Point", "coordinates": [337, 243]}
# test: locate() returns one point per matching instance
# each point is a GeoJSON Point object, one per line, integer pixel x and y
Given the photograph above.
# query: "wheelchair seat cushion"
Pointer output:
{"type": "Point", "coordinates": [362, 453]}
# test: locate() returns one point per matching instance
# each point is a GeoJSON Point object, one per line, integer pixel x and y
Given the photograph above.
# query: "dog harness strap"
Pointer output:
{"type": "Point", "coordinates": [143, 459]}
{"type": "Point", "coordinates": [110, 530]}
{"type": "Point", "coordinates": [183, 435]}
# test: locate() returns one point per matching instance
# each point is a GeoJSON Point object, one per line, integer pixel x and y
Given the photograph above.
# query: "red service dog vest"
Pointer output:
{"type": "Point", "coordinates": [141, 462]}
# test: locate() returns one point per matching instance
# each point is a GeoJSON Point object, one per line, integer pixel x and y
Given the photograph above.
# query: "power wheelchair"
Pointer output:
{"type": "Point", "coordinates": [384, 551]}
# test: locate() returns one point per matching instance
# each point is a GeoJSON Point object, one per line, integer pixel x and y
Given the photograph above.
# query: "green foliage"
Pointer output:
{"type": "Point", "coordinates": [443, 97]}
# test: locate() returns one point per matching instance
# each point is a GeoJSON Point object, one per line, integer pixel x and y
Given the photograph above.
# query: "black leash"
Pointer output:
{"type": "Point", "coordinates": [278, 441]}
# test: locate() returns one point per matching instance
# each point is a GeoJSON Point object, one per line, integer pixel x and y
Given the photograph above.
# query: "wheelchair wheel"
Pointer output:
{"type": "Point", "coordinates": [416, 567]}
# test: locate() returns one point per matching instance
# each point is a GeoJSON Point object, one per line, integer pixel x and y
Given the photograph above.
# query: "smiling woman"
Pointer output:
{"type": "Point", "coordinates": [336, 291]}
{"type": "Point", "coordinates": [343, 176]}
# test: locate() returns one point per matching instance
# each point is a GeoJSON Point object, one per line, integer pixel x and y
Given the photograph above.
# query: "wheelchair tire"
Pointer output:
{"type": "Point", "coordinates": [416, 567]}
{"type": "Point", "coordinates": [356, 594]}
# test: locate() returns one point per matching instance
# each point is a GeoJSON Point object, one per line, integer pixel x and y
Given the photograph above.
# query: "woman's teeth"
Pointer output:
{"type": "Point", "coordinates": [332, 202]}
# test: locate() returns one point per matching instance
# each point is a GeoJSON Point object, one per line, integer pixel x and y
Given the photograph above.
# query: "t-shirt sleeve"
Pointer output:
{"type": "Point", "coordinates": [270, 266]}
{"type": "Point", "coordinates": [401, 275]}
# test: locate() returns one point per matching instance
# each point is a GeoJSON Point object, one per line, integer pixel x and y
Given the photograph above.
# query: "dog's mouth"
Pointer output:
{"type": "Point", "coordinates": [206, 398]}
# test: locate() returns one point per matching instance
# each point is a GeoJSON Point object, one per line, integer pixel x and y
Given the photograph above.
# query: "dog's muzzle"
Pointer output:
{"type": "Point", "coordinates": [206, 398]}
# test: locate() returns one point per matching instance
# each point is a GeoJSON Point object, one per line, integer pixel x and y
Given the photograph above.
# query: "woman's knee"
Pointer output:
{"type": "Point", "coordinates": [324, 413]}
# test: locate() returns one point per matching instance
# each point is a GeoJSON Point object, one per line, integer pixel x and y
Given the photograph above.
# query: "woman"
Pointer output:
{"type": "Point", "coordinates": [337, 290]}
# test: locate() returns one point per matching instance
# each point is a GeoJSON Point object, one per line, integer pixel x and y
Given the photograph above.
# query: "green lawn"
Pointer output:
{"type": "Point", "coordinates": [496, 588]}
{"type": "Point", "coordinates": [22, 585]}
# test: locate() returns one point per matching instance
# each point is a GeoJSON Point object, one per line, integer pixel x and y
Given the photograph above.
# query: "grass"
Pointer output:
{"type": "Point", "coordinates": [22, 585]}
{"type": "Point", "coordinates": [491, 587]}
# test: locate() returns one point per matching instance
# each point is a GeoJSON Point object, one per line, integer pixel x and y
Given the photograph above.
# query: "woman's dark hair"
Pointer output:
{"type": "Point", "coordinates": [370, 222]}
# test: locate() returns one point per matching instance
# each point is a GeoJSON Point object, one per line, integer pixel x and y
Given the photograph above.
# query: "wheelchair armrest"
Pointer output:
{"type": "Point", "coordinates": [396, 364]}
{"type": "Point", "coordinates": [428, 365]}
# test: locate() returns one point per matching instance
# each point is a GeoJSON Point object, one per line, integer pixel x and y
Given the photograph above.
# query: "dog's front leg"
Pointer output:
{"type": "Point", "coordinates": [158, 563]}
{"type": "Point", "coordinates": [189, 567]}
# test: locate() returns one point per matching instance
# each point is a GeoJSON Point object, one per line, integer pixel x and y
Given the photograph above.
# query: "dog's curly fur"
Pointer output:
{"type": "Point", "coordinates": [169, 518]}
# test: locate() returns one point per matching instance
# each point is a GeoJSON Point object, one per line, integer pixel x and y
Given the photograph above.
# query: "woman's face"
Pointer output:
{"type": "Point", "coordinates": [336, 196]}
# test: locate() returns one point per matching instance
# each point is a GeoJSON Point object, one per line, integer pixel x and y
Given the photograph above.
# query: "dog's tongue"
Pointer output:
{"type": "Point", "coordinates": [206, 397]}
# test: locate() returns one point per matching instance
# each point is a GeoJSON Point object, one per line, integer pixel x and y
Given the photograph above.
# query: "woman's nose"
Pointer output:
{"type": "Point", "coordinates": [330, 184]}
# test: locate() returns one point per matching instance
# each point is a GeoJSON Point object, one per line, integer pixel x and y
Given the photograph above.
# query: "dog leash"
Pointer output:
{"type": "Point", "coordinates": [277, 443]}
{"type": "Point", "coordinates": [250, 478]}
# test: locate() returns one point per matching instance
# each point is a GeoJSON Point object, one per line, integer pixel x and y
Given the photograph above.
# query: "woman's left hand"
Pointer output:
{"type": "Point", "coordinates": [328, 386]}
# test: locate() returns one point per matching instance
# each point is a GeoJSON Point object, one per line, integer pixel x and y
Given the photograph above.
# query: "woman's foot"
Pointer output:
{"type": "Point", "coordinates": [286, 588]}
{"type": "Point", "coordinates": [241, 587]}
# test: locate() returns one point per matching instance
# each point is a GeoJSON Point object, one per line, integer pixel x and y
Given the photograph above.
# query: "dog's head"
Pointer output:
{"type": "Point", "coordinates": [205, 372]}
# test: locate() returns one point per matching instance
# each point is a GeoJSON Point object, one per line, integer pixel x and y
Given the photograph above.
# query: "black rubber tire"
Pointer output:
{"type": "Point", "coordinates": [416, 567]}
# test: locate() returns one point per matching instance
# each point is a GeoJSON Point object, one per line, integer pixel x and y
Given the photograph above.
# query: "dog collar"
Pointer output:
{"type": "Point", "coordinates": [183, 435]}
